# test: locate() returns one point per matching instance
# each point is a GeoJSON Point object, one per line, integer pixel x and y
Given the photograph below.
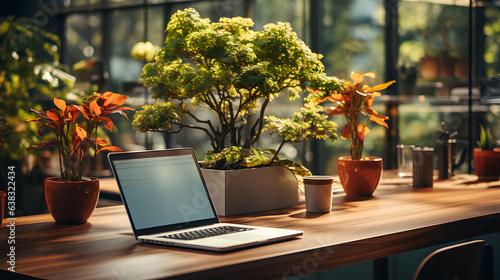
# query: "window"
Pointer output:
{"type": "Point", "coordinates": [350, 34]}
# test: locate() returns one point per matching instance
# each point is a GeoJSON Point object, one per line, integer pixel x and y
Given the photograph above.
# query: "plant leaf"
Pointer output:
{"type": "Point", "coordinates": [107, 123]}
{"type": "Point", "coordinates": [110, 148]}
{"type": "Point", "coordinates": [345, 132]}
{"type": "Point", "coordinates": [102, 142]}
{"type": "Point", "coordinates": [61, 104]}
{"type": "Point", "coordinates": [114, 101]}
{"type": "Point", "coordinates": [357, 78]}
{"type": "Point", "coordinates": [380, 87]}
{"type": "Point", "coordinates": [51, 143]}
{"type": "Point", "coordinates": [95, 108]}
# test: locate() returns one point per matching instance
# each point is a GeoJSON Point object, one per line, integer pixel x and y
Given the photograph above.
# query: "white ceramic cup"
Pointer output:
{"type": "Point", "coordinates": [318, 191]}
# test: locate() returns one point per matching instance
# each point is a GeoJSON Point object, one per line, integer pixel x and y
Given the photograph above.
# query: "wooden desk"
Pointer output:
{"type": "Point", "coordinates": [396, 220]}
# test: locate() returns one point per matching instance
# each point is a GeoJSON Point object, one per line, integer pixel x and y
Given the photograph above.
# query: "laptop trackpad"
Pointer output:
{"type": "Point", "coordinates": [245, 237]}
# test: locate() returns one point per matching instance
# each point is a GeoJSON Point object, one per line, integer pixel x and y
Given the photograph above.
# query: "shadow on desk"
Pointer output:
{"type": "Point", "coordinates": [15, 276]}
{"type": "Point", "coordinates": [492, 184]}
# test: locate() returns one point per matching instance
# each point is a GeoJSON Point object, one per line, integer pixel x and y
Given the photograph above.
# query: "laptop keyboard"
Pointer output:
{"type": "Point", "coordinates": [208, 232]}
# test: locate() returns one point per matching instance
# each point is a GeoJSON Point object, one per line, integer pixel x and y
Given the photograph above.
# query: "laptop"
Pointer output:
{"type": "Point", "coordinates": [168, 203]}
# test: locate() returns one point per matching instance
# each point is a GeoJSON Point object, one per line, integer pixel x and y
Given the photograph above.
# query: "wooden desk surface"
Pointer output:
{"type": "Point", "coordinates": [397, 219]}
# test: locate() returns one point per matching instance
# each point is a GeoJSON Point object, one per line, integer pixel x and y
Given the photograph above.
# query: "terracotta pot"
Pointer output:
{"type": "Point", "coordinates": [446, 66]}
{"type": "Point", "coordinates": [71, 202]}
{"type": "Point", "coordinates": [429, 67]}
{"type": "Point", "coordinates": [360, 177]}
{"type": "Point", "coordinates": [461, 69]}
{"type": "Point", "coordinates": [487, 164]}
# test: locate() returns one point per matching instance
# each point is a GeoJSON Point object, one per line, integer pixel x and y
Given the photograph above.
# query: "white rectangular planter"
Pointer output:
{"type": "Point", "coordinates": [251, 190]}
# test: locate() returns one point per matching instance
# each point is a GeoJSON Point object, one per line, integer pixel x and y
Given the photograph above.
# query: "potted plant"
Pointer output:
{"type": "Point", "coordinates": [358, 175]}
{"type": "Point", "coordinates": [486, 159]}
{"type": "Point", "coordinates": [72, 197]}
{"type": "Point", "coordinates": [235, 73]}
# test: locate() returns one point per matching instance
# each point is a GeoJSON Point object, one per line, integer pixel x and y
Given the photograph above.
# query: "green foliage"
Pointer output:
{"type": "Point", "coordinates": [228, 68]}
{"type": "Point", "coordinates": [239, 158]}
{"type": "Point", "coordinates": [308, 123]}
{"type": "Point", "coordinates": [485, 142]}
{"type": "Point", "coordinates": [156, 117]}
{"type": "Point", "coordinates": [29, 73]}
{"type": "Point", "coordinates": [492, 41]}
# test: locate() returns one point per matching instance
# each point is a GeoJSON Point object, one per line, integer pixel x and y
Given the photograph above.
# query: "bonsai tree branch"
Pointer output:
{"type": "Point", "coordinates": [257, 127]}
{"type": "Point", "coordinates": [277, 151]}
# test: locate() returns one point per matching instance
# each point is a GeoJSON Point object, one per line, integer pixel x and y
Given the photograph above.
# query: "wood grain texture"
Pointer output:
{"type": "Point", "coordinates": [397, 219]}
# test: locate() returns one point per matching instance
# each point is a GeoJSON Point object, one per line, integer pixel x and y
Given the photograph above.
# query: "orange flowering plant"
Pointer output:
{"type": "Point", "coordinates": [353, 102]}
{"type": "Point", "coordinates": [75, 139]}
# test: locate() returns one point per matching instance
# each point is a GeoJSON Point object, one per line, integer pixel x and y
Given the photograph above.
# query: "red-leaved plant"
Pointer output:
{"type": "Point", "coordinates": [74, 139]}
{"type": "Point", "coordinates": [353, 102]}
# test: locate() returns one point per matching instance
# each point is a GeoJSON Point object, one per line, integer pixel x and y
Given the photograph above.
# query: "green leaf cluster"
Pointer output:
{"type": "Point", "coordinates": [29, 74]}
{"type": "Point", "coordinates": [233, 71]}
{"type": "Point", "coordinates": [486, 142]}
{"type": "Point", "coordinates": [238, 158]}
{"type": "Point", "coordinates": [157, 116]}
{"type": "Point", "coordinates": [309, 122]}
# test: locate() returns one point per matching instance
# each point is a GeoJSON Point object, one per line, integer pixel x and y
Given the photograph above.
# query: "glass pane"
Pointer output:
{"type": "Point", "coordinates": [128, 29]}
{"type": "Point", "coordinates": [295, 12]}
{"type": "Point", "coordinates": [83, 40]}
{"type": "Point", "coordinates": [433, 52]}
{"type": "Point", "coordinates": [76, 3]}
{"type": "Point", "coordinates": [353, 37]}
{"type": "Point", "coordinates": [492, 44]}
{"type": "Point", "coordinates": [126, 1]}
{"type": "Point", "coordinates": [214, 9]}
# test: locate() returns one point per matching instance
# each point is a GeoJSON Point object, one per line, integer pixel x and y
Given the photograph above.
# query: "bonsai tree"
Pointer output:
{"type": "Point", "coordinates": [234, 72]}
{"type": "Point", "coordinates": [354, 102]}
{"type": "Point", "coordinates": [75, 139]}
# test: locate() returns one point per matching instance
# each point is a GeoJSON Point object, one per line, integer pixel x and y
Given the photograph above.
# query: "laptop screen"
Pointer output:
{"type": "Point", "coordinates": [162, 190]}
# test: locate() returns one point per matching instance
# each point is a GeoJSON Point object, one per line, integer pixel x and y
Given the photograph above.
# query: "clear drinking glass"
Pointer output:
{"type": "Point", "coordinates": [405, 160]}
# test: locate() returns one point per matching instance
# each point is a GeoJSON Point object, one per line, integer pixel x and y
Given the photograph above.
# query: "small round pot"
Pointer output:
{"type": "Point", "coordinates": [487, 164]}
{"type": "Point", "coordinates": [429, 67]}
{"type": "Point", "coordinates": [360, 177]}
{"type": "Point", "coordinates": [71, 202]}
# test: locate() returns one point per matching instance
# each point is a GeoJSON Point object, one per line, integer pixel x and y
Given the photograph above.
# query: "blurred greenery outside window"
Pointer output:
{"type": "Point", "coordinates": [350, 36]}
{"type": "Point", "coordinates": [433, 47]}
{"type": "Point", "coordinates": [77, 3]}
{"type": "Point", "coordinates": [84, 39]}
{"type": "Point", "coordinates": [492, 44]}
